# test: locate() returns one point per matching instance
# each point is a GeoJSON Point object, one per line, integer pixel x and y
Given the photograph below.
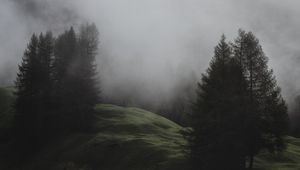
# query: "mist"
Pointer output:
{"type": "Point", "coordinates": [150, 48]}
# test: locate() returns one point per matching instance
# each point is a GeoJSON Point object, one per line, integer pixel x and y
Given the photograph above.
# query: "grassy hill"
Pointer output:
{"type": "Point", "coordinates": [123, 138]}
{"type": "Point", "coordinates": [132, 138]}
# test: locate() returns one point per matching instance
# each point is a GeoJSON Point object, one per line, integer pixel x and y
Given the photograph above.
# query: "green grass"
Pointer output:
{"type": "Point", "coordinates": [288, 160]}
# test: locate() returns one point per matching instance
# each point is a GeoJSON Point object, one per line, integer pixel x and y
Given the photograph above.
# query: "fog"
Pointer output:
{"type": "Point", "coordinates": [150, 48]}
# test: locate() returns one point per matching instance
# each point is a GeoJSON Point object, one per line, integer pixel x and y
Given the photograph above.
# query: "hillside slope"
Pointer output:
{"type": "Point", "coordinates": [123, 138]}
{"type": "Point", "coordinates": [288, 160]}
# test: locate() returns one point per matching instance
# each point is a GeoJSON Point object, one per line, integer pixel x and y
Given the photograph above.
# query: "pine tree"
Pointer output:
{"type": "Point", "coordinates": [26, 94]}
{"type": "Point", "coordinates": [32, 90]}
{"type": "Point", "coordinates": [215, 139]}
{"type": "Point", "coordinates": [267, 108]}
{"type": "Point", "coordinates": [65, 52]}
{"type": "Point", "coordinates": [33, 87]}
{"type": "Point", "coordinates": [87, 69]}
{"type": "Point", "coordinates": [45, 54]}
{"type": "Point", "coordinates": [75, 77]}
{"type": "Point", "coordinates": [56, 87]}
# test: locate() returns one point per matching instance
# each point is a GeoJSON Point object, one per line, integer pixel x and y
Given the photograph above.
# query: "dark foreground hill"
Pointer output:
{"type": "Point", "coordinates": [135, 139]}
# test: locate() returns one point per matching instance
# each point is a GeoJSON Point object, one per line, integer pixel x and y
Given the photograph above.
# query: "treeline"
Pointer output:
{"type": "Point", "coordinates": [56, 86]}
{"type": "Point", "coordinates": [239, 109]}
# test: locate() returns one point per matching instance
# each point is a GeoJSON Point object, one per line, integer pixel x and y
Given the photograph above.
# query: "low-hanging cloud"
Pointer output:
{"type": "Point", "coordinates": [148, 48]}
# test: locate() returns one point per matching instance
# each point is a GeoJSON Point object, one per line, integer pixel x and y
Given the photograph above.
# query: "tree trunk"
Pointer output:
{"type": "Point", "coordinates": [251, 163]}
{"type": "Point", "coordinates": [244, 163]}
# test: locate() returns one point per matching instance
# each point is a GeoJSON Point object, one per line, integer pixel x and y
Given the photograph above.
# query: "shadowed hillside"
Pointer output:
{"type": "Point", "coordinates": [123, 138]}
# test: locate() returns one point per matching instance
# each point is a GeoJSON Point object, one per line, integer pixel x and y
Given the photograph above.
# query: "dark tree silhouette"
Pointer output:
{"type": "Point", "coordinates": [76, 85]}
{"type": "Point", "coordinates": [87, 86]}
{"type": "Point", "coordinates": [239, 109]}
{"type": "Point", "coordinates": [33, 84]}
{"type": "Point", "coordinates": [26, 94]}
{"type": "Point", "coordinates": [267, 121]}
{"type": "Point", "coordinates": [45, 54]}
{"type": "Point", "coordinates": [56, 90]}
{"type": "Point", "coordinates": [56, 87]}
{"type": "Point", "coordinates": [215, 142]}
{"type": "Point", "coordinates": [65, 51]}
{"type": "Point", "coordinates": [87, 69]}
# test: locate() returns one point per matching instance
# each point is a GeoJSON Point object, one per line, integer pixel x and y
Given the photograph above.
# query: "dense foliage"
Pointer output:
{"type": "Point", "coordinates": [56, 87]}
{"type": "Point", "coordinates": [239, 109]}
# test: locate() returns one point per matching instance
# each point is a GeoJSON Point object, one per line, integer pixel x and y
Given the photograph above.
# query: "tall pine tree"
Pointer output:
{"type": "Point", "coordinates": [76, 85]}
{"type": "Point", "coordinates": [238, 102]}
{"type": "Point", "coordinates": [87, 69]}
{"type": "Point", "coordinates": [26, 94]}
{"type": "Point", "coordinates": [46, 82]}
{"type": "Point", "coordinates": [32, 90]}
{"type": "Point", "coordinates": [215, 139]}
{"type": "Point", "coordinates": [267, 118]}
{"type": "Point", "coordinates": [65, 78]}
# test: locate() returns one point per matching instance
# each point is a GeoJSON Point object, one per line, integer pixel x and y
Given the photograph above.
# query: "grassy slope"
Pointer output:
{"type": "Point", "coordinates": [124, 138]}
{"type": "Point", "coordinates": [288, 160]}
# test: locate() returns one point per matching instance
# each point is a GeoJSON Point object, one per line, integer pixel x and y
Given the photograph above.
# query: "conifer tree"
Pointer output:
{"type": "Point", "coordinates": [32, 89]}
{"type": "Point", "coordinates": [75, 77]}
{"type": "Point", "coordinates": [65, 52]}
{"type": "Point", "coordinates": [215, 141]}
{"type": "Point", "coordinates": [86, 70]}
{"type": "Point", "coordinates": [45, 55]}
{"type": "Point", "coordinates": [26, 93]}
{"type": "Point", "coordinates": [56, 87]}
{"type": "Point", "coordinates": [267, 118]}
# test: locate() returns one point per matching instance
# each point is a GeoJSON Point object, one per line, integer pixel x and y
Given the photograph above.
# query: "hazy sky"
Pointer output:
{"type": "Point", "coordinates": [148, 47]}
